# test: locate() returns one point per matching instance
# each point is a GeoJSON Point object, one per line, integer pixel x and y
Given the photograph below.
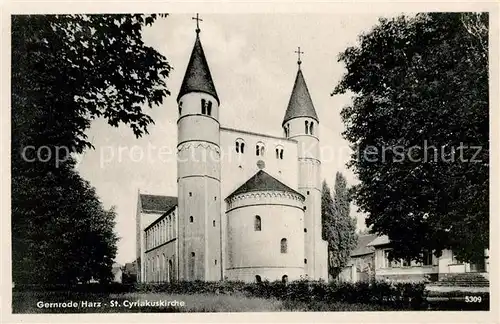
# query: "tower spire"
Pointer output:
{"type": "Point", "coordinates": [198, 77]}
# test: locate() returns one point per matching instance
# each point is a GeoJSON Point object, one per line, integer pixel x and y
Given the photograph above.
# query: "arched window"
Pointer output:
{"type": "Point", "coordinates": [163, 268]}
{"type": "Point", "coordinates": [170, 271]}
{"type": "Point", "coordinates": [209, 108]}
{"type": "Point", "coordinates": [258, 223]}
{"type": "Point", "coordinates": [284, 245]}
{"type": "Point", "coordinates": [191, 219]}
{"type": "Point", "coordinates": [257, 150]}
{"type": "Point", "coordinates": [311, 128]}
{"type": "Point", "coordinates": [262, 150]}
{"type": "Point", "coordinates": [240, 146]}
{"type": "Point", "coordinates": [281, 154]}
{"type": "Point", "coordinates": [258, 278]}
{"type": "Point", "coordinates": [192, 266]}
{"type": "Point", "coordinates": [157, 275]}
{"type": "Point", "coordinates": [284, 279]}
{"type": "Point", "coordinates": [203, 106]}
{"type": "Point", "coordinates": [277, 153]}
{"type": "Point", "coordinates": [307, 126]}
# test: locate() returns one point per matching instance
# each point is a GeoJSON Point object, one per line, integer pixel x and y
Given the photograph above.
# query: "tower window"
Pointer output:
{"type": "Point", "coordinates": [215, 198]}
{"type": "Point", "coordinates": [311, 128]}
{"type": "Point", "coordinates": [190, 194]}
{"type": "Point", "coordinates": [213, 223]}
{"type": "Point", "coordinates": [215, 262]}
{"type": "Point", "coordinates": [281, 154]}
{"type": "Point", "coordinates": [191, 219]}
{"type": "Point", "coordinates": [180, 108]}
{"type": "Point", "coordinates": [284, 245]}
{"type": "Point", "coordinates": [305, 261]}
{"type": "Point", "coordinates": [307, 126]}
{"type": "Point", "coordinates": [240, 146]}
{"type": "Point", "coordinates": [209, 109]}
{"type": "Point", "coordinates": [257, 223]}
{"type": "Point", "coordinates": [259, 149]}
{"type": "Point", "coordinates": [203, 106]}
{"type": "Point", "coordinates": [305, 230]}
{"type": "Point", "coordinates": [277, 153]}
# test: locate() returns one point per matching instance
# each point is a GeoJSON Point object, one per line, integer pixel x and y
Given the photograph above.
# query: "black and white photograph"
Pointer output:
{"type": "Point", "coordinates": [218, 162]}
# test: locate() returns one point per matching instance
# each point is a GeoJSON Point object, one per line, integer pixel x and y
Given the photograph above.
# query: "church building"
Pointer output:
{"type": "Point", "coordinates": [248, 205]}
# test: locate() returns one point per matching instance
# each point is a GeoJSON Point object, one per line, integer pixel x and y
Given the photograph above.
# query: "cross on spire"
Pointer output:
{"type": "Point", "coordinates": [299, 52]}
{"type": "Point", "coordinates": [197, 23]}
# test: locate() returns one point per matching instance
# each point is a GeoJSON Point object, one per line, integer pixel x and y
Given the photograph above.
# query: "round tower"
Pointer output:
{"type": "Point", "coordinates": [301, 123]}
{"type": "Point", "coordinates": [198, 172]}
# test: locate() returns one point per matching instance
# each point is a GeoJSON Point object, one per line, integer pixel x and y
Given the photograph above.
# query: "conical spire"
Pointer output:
{"type": "Point", "coordinates": [300, 104]}
{"type": "Point", "coordinates": [197, 77]}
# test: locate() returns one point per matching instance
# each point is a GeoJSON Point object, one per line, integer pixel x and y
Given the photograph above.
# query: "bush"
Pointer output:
{"type": "Point", "coordinates": [400, 295]}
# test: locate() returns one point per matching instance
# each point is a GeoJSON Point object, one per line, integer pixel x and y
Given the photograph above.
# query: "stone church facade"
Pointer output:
{"type": "Point", "coordinates": [248, 205]}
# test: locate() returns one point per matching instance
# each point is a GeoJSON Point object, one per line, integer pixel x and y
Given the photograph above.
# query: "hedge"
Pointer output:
{"type": "Point", "coordinates": [398, 295]}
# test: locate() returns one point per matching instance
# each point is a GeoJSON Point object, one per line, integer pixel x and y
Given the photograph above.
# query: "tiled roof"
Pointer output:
{"type": "Point", "coordinates": [262, 181]}
{"type": "Point", "coordinates": [361, 247]}
{"type": "Point", "coordinates": [380, 240]}
{"type": "Point", "coordinates": [157, 203]}
{"type": "Point", "coordinates": [300, 104]}
{"type": "Point", "coordinates": [197, 77]}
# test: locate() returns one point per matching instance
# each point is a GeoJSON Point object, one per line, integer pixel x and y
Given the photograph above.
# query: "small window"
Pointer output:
{"type": "Point", "coordinates": [215, 198]}
{"type": "Point", "coordinates": [209, 109]}
{"type": "Point", "coordinates": [213, 223]}
{"type": "Point", "coordinates": [190, 194]}
{"type": "Point", "coordinates": [284, 279]}
{"type": "Point", "coordinates": [242, 148]}
{"type": "Point", "coordinates": [305, 207]}
{"type": "Point", "coordinates": [308, 192]}
{"type": "Point", "coordinates": [203, 106]}
{"type": "Point", "coordinates": [215, 262]}
{"type": "Point", "coordinates": [307, 126]}
{"type": "Point", "coordinates": [277, 153]}
{"type": "Point", "coordinates": [258, 278]}
{"type": "Point", "coordinates": [257, 150]}
{"type": "Point", "coordinates": [305, 261]}
{"type": "Point", "coordinates": [284, 245]}
{"type": "Point", "coordinates": [192, 254]}
{"type": "Point", "coordinates": [281, 154]}
{"type": "Point", "coordinates": [305, 230]}
{"type": "Point", "coordinates": [237, 147]}
{"type": "Point", "coordinates": [262, 150]}
{"type": "Point", "coordinates": [180, 108]}
{"type": "Point", "coordinates": [257, 223]}
{"type": "Point", "coordinates": [191, 219]}
{"type": "Point", "coordinates": [311, 128]}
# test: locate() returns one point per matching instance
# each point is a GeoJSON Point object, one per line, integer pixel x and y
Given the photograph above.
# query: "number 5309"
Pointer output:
{"type": "Point", "coordinates": [473, 299]}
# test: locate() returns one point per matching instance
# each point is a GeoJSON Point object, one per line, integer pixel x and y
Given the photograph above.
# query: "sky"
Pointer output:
{"type": "Point", "coordinates": [253, 65]}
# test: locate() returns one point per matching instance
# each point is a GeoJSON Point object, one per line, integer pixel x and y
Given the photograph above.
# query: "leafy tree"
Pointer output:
{"type": "Point", "coordinates": [418, 126]}
{"type": "Point", "coordinates": [339, 229]}
{"type": "Point", "coordinates": [66, 71]}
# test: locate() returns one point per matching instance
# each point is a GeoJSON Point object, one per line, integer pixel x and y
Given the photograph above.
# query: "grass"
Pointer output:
{"type": "Point", "coordinates": [26, 302]}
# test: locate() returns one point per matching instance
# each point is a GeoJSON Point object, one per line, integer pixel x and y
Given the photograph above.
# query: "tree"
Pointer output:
{"type": "Point", "coordinates": [339, 229]}
{"type": "Point", "coordinates": [66, 71]}
{"type": "Point", "coordinates": [418, 127]}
